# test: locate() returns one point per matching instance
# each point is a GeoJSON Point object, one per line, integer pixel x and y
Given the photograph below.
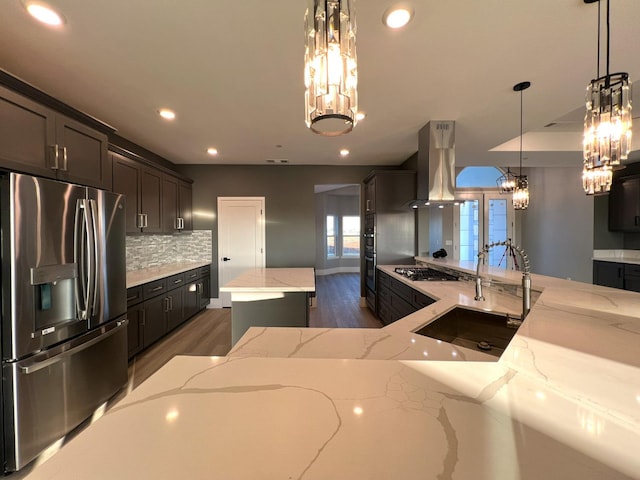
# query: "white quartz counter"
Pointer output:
{"type": "Point", "coordinates": [562, 402]}
{"type": "Point", "coordinates": [621, 256]}
{"type": "Point", "coordinates": [145, 275]}
{"type": "Point", "coordinates": [273, 280]}
{"type": "Point", "coordinates": [259, 418]}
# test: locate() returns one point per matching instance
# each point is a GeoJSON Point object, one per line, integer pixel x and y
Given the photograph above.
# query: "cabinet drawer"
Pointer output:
{"type": "Point", "coordinates": [134, 295]}
{"type": "Point", "coordinates": [153, 289]}
{"type": "Point", "coordinates": [204, 271]}
{"type": "Point", "coordinates": [191, 275]}
{"type": "Point", "coordinates": [175, 281]}
{"type": "Point", "coordinates": [631, 270]}
{"type": "Point", "coordinates": [384, 279]}
{"type": "Point", "coordinates": [402, 290]}
{"type": "Point", "coordinates": [400, 308]}
{"type": "Point", "coordinates": [420, 300]}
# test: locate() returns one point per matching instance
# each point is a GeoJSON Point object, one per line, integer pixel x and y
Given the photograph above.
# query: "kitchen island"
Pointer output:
{"type": "Point", "coordinates": [562, 402]}
{"type": "Point", "coordinates": [270, 297]}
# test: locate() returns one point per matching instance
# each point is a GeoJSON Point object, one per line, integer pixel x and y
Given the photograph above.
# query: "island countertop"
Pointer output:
{"type": "Point", "coordinates": [563, 401]}
{"type": "Point", "coordinates": [273, 280]}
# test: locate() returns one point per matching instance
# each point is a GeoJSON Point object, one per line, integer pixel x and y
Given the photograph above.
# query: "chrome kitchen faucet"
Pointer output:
{"type": "Point", "coordinates": [526, 277]}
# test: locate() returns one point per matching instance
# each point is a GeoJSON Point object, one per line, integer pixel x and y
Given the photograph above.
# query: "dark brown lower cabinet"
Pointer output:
{"type": "Point", "coordinates": [135, 332]}
{"type": "Point", "coordinates": [168, 303]}
{"type": "Point", "coordinates": [175, 308]}
{"type": "Point", "coordinates": [397, 299]}
{"type": "Point", "coordinates": [155, 324]}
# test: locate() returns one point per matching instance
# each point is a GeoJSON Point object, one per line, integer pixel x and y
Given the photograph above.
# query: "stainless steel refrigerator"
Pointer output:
{"type": "Point", "coordinates": [64, 340]}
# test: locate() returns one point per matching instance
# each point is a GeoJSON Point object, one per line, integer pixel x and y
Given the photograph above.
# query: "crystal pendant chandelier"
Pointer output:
{"type": "Point", "coordinates": [507, 182]}
{"type": "Point", "coordinates": [521, 190]}
{"type": "Point", "coordinates": [607, 124]}
{"type": "Point", "coordinates": [330, 67]}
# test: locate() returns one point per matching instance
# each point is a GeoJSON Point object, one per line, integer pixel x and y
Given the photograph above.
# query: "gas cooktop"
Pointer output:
{"type": "Point", "coordinates": [424, 273]}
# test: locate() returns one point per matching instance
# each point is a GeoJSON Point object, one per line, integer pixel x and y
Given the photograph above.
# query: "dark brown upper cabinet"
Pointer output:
{"type": "Point", "coordinates": [142, 187]}
{"type": "Point", "coordinates": [624, 204]}
{"type": "Point", "coordinates": [176, 205]}
{"type": "Point", "coordinates": [38, 140]}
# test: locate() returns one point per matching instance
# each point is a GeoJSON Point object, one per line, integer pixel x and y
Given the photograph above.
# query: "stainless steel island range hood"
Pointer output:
{"type": "Point", "coordinates": [436, 180]}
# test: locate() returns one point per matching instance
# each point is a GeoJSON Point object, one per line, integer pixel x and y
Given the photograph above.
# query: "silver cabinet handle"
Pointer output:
{"type": "Point", "coordinates": [146, 222]}
{"type": "Point", "coordinates": [65, 159]}
{"type": "Point", "coordinates": [171, 302]}
{"type": "Point", "coordinates": [166, 304]}
{"type": "Point", "coordinates": [140, 220]}
{"type": "Point", "coordinates": [159, 287]}
{"type": "Point", "coordinates": [56, 156]}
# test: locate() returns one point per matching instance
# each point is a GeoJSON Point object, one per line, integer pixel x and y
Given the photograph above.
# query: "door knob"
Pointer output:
{"type": "Point", "coordinates": [225, 259]}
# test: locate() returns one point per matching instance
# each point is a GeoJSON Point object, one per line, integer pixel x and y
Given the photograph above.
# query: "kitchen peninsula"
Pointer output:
{"type": "Point", "coordinates": [561, 402]}
{"type": "Point", "coordinates": [270, 297]}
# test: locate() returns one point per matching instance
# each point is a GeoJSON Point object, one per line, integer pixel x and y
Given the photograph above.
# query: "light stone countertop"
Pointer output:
{"type": "Point", "coordinates": [562, 402]}
{"type": "Point", "coordinates": [621, 256]}
{"type": "Point", "coordinates": [273, 280]}
{"type": "Point", "coordinates": [293, 418]}
{"type": "Point", "coordinates": [146, 275]}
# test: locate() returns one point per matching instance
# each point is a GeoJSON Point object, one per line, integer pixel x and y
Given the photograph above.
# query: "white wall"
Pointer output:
{"type": "Point", "coordinates": [557, 228]}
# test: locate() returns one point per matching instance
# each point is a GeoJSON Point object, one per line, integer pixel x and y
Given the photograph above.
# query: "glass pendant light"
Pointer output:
{"type": "Point", "coordinates": [521, 190]}
{"type": "Point", "coordinates": [507, 182]}
{"type": "Point", "coordinates": [330, 67]}
{"type": "Point", "coordinates": [607, 123]}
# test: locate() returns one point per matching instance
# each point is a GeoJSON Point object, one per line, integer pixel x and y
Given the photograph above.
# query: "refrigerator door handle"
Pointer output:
{"type": "Point", "coordinates": [94, 255]}
{"type": "Point", "coordinates": [79, 246]}
{"type": "Point", "coordinates": [34, 366]}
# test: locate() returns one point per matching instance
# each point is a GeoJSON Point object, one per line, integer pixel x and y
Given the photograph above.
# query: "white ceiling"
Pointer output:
{"type": "Point", "coordinates": [232, 71]}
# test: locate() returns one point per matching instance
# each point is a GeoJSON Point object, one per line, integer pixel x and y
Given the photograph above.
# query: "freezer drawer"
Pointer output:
{"type": "Point", "coordinates": [49, 394]}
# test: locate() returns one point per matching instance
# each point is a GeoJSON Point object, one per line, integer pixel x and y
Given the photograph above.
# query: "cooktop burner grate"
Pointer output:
{"type": "Point", "coordinates": [424, 273]}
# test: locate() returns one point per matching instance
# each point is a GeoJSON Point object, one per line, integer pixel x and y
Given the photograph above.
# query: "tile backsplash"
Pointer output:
{"type": "Point", "coordinates": [154, 250]}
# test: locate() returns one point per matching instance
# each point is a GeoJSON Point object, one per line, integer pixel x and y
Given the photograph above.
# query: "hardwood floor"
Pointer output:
{"type": "Point", "coordinates": [209, 332]}
{"type": "Point", "coordinates": [338, 303]}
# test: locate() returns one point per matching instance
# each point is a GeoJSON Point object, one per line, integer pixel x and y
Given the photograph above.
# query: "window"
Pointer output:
{"type": "Point", "coordinates": [343, 236]}
{"type": "Point", "coordinates": [484, 217]}
{"type": "Point", "coordinates": [331, 236]}
{"type": "Point", "coordinates": [350, 236]}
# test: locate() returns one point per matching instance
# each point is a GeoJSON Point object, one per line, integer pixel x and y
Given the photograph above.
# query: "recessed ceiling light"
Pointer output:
{"type": "Point", "coordinates": [44, 14]}
{"type": "Point", "coordinates": [397, 17]}
{"type": "Point", "coordinates": [360, 116]}
{"type": "Point", "coordinates": [167, 114]}
{"type": "Point", "coordinates": [212, 151]}
{"type": "Point", "coordinates": [344, 152]}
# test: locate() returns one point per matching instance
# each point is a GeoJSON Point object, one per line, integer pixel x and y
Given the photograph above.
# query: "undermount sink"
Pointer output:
{"type": "Point", "coordinates": [483, 331]}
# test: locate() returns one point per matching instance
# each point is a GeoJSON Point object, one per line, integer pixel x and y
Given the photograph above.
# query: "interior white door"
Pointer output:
{"type": "Point", "coordinates": [241, 238]}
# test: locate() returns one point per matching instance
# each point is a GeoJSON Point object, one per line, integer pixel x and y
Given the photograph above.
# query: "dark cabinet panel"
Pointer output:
{"type": "Point", "coordinates": [396, 299]}
{"type": "Point", "coordinates": [175, 308]}
{"type": "Point", "coordinates": [135, 329]}
{"type": "Point", "coordinates": [176, 205]}
{"type": "Point", "coordinates": [205, 291]}
{"type": "Point", "coordinates": [126, 180]}
{"type": "Point", "coordinates": [608, 274]}
{"type": "Point", "coordinates": [151, 199]}
{"type": "Point", "coordinates": [170, 214]}
{"type": "Point", "coordinates": [37, 140]}
{"type": "Point", "coordinates": [370, 196]}
{"type": "Point", "coordinates": [632, 277]}
{"type": "Point", "coordinates": [84, 157]}
{"type": "Point", "coordinates": [624, 204]}
{"type": "Point", "coordinates": [191, 300]}
{"type": "Point", "coordinates": [27, 134]}
{"type": "Point", "coordinates": [186, 205]}
{"type": "Point", "coordinates": [155, 325]}
{"type": "Point", "coordinates": [143, 188]}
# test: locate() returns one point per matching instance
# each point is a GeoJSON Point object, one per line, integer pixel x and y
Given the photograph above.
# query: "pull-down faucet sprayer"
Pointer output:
{"type": "Point", "coordinates": [526, 270]}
